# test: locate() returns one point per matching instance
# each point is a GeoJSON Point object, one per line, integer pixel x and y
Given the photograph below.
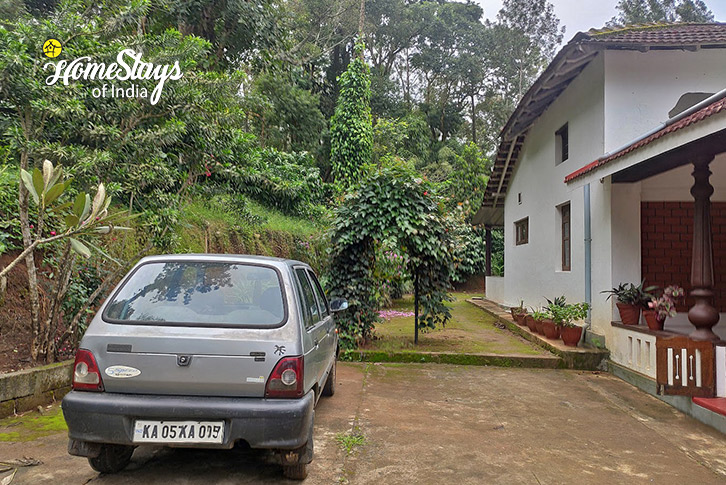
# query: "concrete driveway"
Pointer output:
{"type": "Point", "coordinates": [447, 424]}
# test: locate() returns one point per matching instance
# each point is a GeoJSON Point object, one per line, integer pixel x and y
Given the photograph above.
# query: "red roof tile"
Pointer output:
{"type": "Point", "coordinates": [702, 114]}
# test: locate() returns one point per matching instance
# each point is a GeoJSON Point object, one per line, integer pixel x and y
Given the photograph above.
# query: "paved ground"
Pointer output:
{"type": "Point", "coordinates": [448, 424]}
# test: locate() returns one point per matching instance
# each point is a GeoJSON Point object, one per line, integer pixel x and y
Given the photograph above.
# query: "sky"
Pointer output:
{"type": "Point", "coordinates": [582, 15]}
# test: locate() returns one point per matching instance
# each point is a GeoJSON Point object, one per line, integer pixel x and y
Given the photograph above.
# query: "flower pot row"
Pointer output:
{"type": "Point", "coordinates": [570, 335]}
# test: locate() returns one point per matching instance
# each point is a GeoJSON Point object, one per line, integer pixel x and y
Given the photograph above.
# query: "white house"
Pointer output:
{"type": "Point", "coordinates": [592, 185]}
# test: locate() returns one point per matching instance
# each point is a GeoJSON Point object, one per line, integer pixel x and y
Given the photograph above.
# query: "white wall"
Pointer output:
{"type": "Point", "coordinates": [642, 87]}
{"type": "Point", "coordinates": [533, 270]}
{"type": "Point", "coordinates": [618, 97]}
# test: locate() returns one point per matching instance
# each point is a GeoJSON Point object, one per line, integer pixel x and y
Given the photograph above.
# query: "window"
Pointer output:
{"type": "Point", "coordinates": [199, 293]}
{"type": "Point", "coordinates": [322, 302]}
{"type": "Point", "coordinates": [565, 225]}
{"type": "Point", "coordinates": [311, 314]}
{"type": "Point", "coordinates": [562, 145]}
{"type": "Point", "coordinates": [521, 231]}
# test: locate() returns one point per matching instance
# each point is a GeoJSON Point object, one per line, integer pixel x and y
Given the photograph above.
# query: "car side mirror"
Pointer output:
{"type": "Point", "coordinates": [338, 305]}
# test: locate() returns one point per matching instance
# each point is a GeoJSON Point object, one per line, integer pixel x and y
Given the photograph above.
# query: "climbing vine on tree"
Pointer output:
{"type": "Point", "coordinates": [351, 128]}
{"type": "Point", "coordinates": [391, 205]}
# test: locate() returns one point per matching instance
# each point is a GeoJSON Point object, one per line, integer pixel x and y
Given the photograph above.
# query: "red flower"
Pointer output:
{"type": "Point", "coordinates": [52, 233]}
{"type": "Point", "coordinates": [426, 192]}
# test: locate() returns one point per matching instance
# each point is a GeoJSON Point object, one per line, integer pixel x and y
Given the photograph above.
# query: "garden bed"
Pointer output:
{"type": "Point", "coordinates": [470, 331]}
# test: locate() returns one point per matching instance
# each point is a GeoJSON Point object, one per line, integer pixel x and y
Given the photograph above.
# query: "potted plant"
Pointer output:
{"type": "Point", "coordinates": [519, 312]}
{"type": "Point", "coordinates": [663, 307]}
{"type": "Point", "coordinates": [630, 299]}
{"type": "Point", "coordinates": [565, 317]}
{"type": "Point", "coordinates": [549, 328]}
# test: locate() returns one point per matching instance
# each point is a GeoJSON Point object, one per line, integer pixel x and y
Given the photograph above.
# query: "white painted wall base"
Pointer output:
{"type": "Point", "coordinates": [495, 289]}
{"type": "Point", "coordinates": [634, 350]}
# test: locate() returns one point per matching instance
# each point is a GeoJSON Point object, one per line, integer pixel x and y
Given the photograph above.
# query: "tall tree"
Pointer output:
{"type": "Point", "coordinates": [650, 11]}
{"type": "Point", "coordinates": [536, 36]}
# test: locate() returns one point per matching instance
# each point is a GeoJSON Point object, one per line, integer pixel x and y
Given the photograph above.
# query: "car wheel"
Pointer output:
{"type": "Point", "coordinates": [295, 472]}
{"type": "Point", "coordinates": [329, 388]}
{"type": "Point", "coordinates": [112, 458]}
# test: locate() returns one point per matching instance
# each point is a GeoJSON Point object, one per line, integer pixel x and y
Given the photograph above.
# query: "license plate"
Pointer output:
{"type": "Point", "coordinates": [178, 431]}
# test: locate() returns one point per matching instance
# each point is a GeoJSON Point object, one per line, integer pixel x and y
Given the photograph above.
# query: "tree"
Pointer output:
{"type": "Point", "coordinates": [351, 129]}
{"type": "Point", "coordinates": [392, 205]}
{"type": "Point", "coordinates": [651, 11]}
{"type": "Point", "coordinates": [533, 40]}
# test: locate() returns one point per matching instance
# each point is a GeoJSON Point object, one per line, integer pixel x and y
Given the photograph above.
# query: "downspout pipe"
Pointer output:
{"type": "Point", "coordinates": [588, 257]}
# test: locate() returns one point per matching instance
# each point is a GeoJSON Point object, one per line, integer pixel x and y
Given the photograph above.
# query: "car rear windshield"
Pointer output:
{"type": "Point", "coordinates": [200, 293]}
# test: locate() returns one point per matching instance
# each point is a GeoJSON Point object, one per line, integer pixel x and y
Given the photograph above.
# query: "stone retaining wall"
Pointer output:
{"type": "Point", "coordinates": [27, 389]}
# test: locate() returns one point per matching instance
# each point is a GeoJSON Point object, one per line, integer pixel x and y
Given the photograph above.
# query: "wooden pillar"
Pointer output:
{"type": "Point", "coordinates": [702, 314]}
{"type": "Point", "coordinates": [488, 242]}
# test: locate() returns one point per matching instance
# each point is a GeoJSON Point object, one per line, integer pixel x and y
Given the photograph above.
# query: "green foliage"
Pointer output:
{"type": "Point", "coordinates": [541, 314]}
{"type": "Point", "coordinates": [9, 220]}
{"type": "Point", "coordinates": [469, 252]}
{"type": "Point", "coordinates": [394, 206]}
{"type": "Point", "coordinates": [285, 115]}
{"type": "Point", "coordinates": [630, 294]}
{"type": "Point", "coordinates": [653, 11]}
{"type": "Point", "coordinates": [566, 315]}
{"type": "Point", "coordinates": [351, 440]}
{"type": "Point", "coordinates": [351, 130]}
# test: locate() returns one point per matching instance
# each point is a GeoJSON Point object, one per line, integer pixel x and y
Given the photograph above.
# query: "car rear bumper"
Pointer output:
{"type": "Point", "coordinates": [262, 423]}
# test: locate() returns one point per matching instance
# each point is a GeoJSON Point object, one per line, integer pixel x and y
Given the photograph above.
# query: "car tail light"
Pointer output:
{"type": "Point", "coordinates": [286, 379]}
{"type": "Point", "coordinates": [86, 376]}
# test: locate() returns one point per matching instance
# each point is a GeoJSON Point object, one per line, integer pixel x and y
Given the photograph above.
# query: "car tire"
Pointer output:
{"type": "Point", "coordinates": [295, 472]}
{"type": "Point", "coordinates": [329, 387]}
{"type": "Point", "coordinates": [112, 458]}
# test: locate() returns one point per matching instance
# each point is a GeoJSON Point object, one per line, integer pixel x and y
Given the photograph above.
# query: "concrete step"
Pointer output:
{"type": "Point", "coordinates": [583, 357]}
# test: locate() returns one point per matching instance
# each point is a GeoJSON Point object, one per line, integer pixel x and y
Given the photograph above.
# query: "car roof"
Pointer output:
{"type": "Point", "coordinates": [240, 258]}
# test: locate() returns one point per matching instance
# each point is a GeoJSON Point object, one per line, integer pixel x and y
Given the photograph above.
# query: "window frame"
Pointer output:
{"type": "Point", "coordinates": [566, 236]}
{"type": "Point", "coordinates": [323, 306]}
{"type": "Point", "coordinates": [521, 223]}
{"type": "Point", "coordinates": [562, 144]}
{"type": "Point", "coordinates": [303, 299]}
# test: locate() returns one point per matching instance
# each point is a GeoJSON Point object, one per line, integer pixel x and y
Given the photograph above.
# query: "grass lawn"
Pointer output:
{"type": "Point", "coordinates": [470, 330]}
{"type": "Point", "coordinates": [33, 425]}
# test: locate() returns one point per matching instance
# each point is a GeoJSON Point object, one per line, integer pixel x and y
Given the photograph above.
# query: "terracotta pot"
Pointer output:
{"type": "Point", "coordinates": [531, 324]}
{"type": "Point", "coordinates": [520, 318]}
{"type": "Point", "coordinates": [571, 335]}
{"type": "Point", "coordinates": [653, 320]}
{"type": "Point", "coordinates": [538, 327]}
{"type": "Point", "coordinates": [629, 314]}
{"type": "Point", "coordinates": [551, 330]}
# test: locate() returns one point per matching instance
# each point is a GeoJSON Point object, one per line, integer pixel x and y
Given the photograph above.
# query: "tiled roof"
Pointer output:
{"type": "Point", "coordinates": [662, 34]}
{"type": "Point", "coordinates": [702, 114]}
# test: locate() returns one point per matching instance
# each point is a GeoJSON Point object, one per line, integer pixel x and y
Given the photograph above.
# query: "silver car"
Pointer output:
{"type": "Point", "coordinates": [205, 351]}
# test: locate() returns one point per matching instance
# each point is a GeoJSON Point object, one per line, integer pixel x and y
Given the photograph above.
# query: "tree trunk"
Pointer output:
{"type": "Point", "coordinates": [415, 307]}
{"type": "Point", "coordinates": [34, 295]}
{"type": "Point", "coordinates": [473, 119]}
{"type": "Point", "coordinates": [361, 22]}
{"type": "Point", "coordinates": [54, 313]}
